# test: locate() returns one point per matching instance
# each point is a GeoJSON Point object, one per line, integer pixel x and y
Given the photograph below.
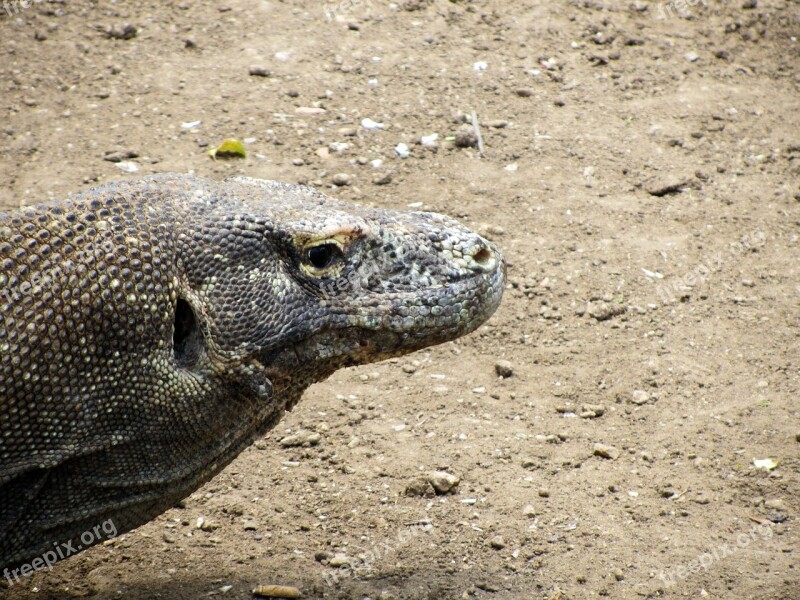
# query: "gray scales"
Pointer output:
{"type": "Point", "coordinates": [152, 329]}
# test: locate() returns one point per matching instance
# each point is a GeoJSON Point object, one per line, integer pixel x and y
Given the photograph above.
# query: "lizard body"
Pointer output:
{"type": "Point", "coordinates": [152, 329]}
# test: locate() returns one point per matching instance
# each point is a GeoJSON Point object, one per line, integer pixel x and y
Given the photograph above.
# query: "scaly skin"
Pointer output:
{"type": "Point", "coordinates": [150, 330]}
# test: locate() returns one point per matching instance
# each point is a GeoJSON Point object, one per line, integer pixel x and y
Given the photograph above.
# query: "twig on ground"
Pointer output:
{"type": "Point", "coordinates": [476, 126]}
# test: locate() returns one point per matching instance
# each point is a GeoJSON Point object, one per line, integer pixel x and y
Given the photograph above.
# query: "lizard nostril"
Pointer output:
{"type": "Point", "coordinates": [482, 256]}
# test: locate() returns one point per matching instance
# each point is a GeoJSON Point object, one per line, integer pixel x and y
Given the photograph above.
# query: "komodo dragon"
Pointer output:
{"type": "Point", "coordinates": [150, 330]}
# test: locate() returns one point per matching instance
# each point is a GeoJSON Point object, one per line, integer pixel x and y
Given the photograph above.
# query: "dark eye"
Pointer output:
{"type": "Point", "coordinates": [321, 257]}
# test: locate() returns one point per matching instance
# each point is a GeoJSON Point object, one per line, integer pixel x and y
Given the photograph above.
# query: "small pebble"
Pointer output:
{"type": "Point", "coordinates": [342, 179]}
{"type": "Point", "coordinates": [497, 542]}
{"type": "Point", "coordinates": [665, 187]}
{"type": "Point", "coordinates": [402, 150]}
{"type": "Point", "coordinates": [495, 230]}
{"type": "Point", "coordinates": [116, 156]}
{"type": "Point", "coordinates": [384, 179]}
{"type": "Point", "coordinates": [301, 438]}
{"type": "Point", "coordinates": [524, 92]}
{"type": "Point", "coordinates": [466, 138]}
{"type": "Point", "coordinates": [308, 110]}
{"type": "Point", "coordinates": [504, 368]}
{"type": "Point", "coordinates": [777, 517]}
{"type": "Point", "coordinates": [775, 504]}
{"type": "Point", "coordinates": [127, 166]}
{"type": "Point", "coordinates": [339, 147]}
{"type": "Point", "coordinates": [204, 524]}
{"type": "Point", "coordinates": [122, 32]}
{"type": "Point", "coordinates": [276, 591]}
{"type": "Point", "coordinates": [371, 125]}
{"type": "Point", "coordinates": [603, 311]}
{"type": "Point", "coordinates": [443, 482]}
{"type": "Point", "coordinates": [340, 560]}
{"type": "Point", "coordinates": [606, 451]}
{"type": "Point", "coordinates": [592, 411]}
{"type": "Point", "coordinates": [640, 397]}
{"type": "Point", "coordinates": [257, 71]}
{"type": "Point", "coordinates": [529, 511]}
{"type": "Point", "coordinates": [429, 140]}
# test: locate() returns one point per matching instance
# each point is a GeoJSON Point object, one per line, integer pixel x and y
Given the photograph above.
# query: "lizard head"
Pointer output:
{"type": "Point", "coordinates": [304, 284]}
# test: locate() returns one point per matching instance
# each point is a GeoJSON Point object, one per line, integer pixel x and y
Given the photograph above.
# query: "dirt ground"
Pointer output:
{"type": "Point", "coordinates": [641, 172]}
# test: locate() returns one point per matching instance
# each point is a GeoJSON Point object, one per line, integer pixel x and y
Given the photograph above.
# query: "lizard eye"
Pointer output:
{"type": "Point", "coordinates": [322, 256]}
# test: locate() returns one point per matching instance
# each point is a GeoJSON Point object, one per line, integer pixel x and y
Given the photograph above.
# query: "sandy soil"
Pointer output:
{"type": "Point", "coordinates": [642, 174]}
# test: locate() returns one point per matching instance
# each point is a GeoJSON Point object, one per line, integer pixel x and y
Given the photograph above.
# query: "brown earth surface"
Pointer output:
{"type": "Point", "coordinates": [641, 172]}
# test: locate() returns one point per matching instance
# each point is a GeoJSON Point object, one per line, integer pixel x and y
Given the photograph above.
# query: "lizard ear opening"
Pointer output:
{"type": "Point", "coordinates": [186, 337]}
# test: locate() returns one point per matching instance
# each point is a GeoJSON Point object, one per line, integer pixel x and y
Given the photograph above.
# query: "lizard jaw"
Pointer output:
{"type": "Point", "coordinates": [362, 340]}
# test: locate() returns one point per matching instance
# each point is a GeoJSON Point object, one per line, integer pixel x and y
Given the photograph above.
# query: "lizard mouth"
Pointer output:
{"type": "Point", "coordinates": [386, 326]}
